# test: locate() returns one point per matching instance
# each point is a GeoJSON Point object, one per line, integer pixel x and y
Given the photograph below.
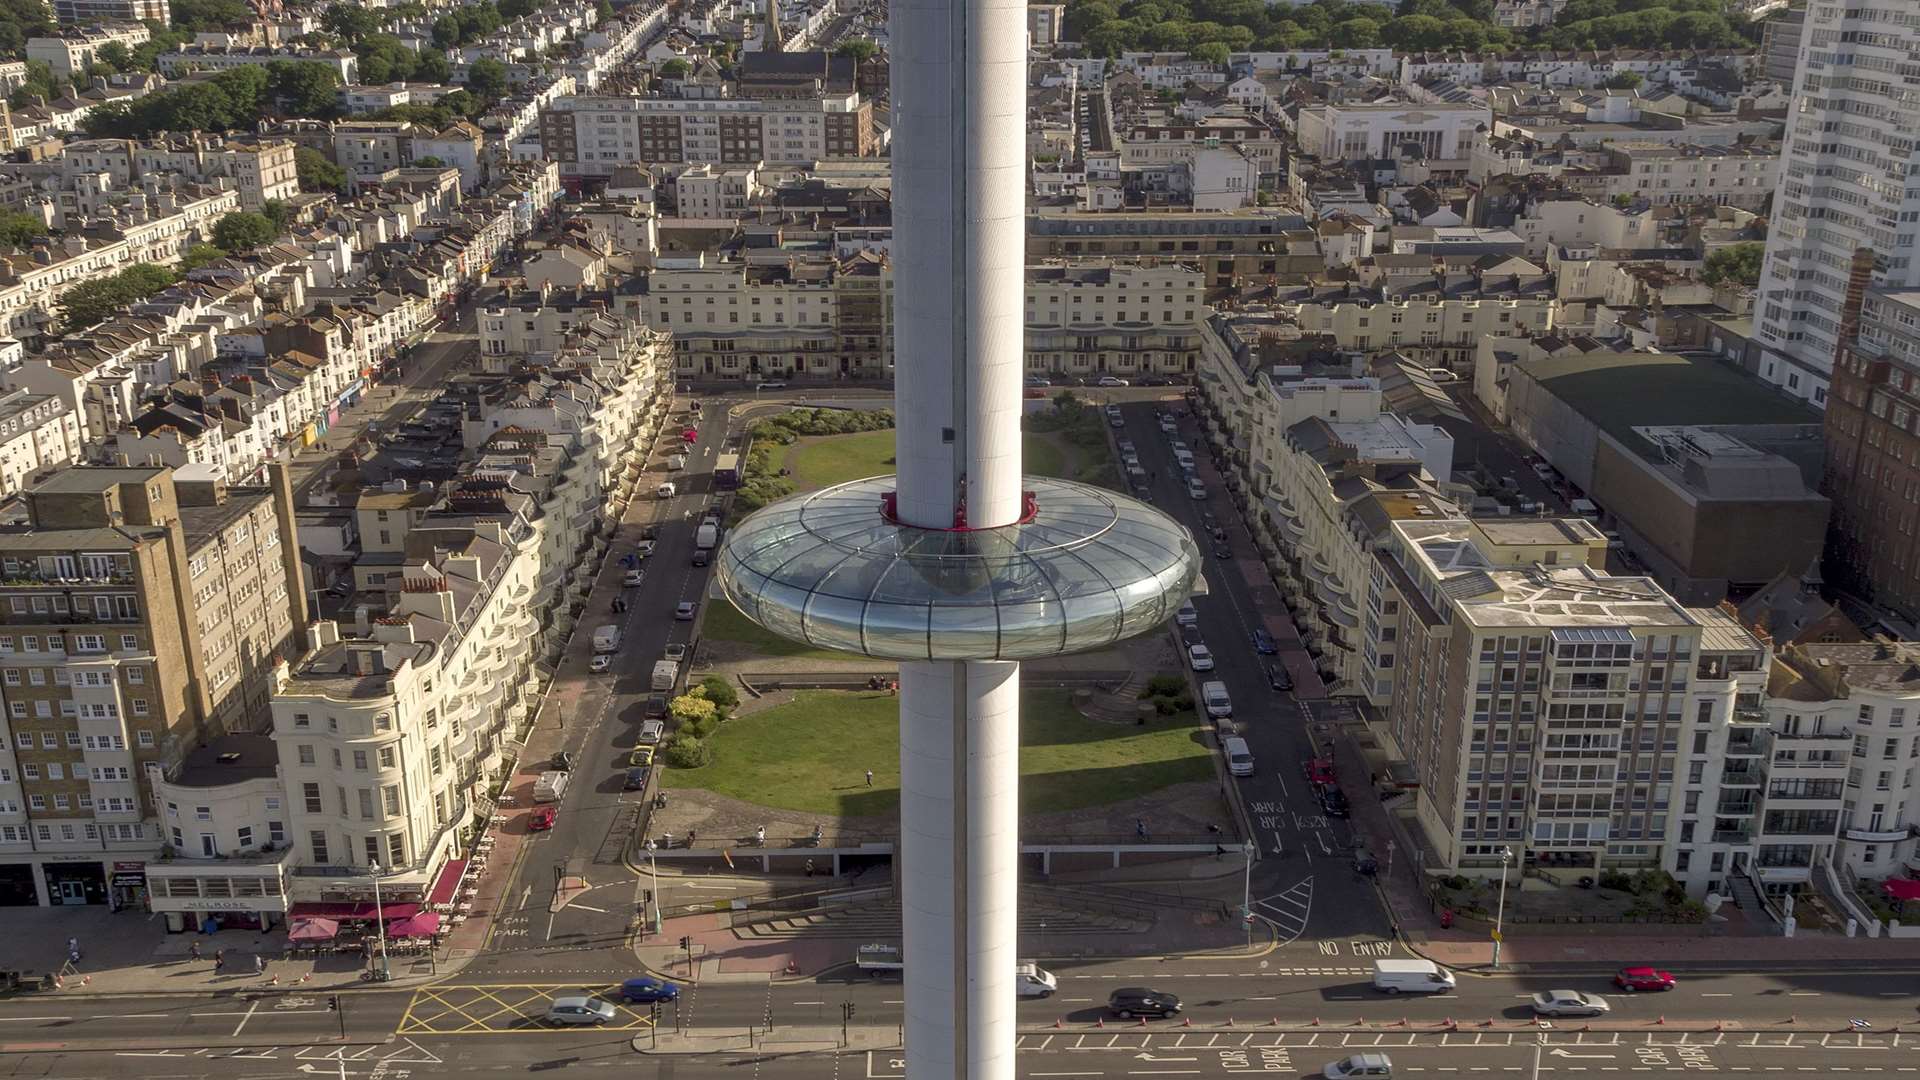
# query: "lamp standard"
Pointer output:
{"type": "Point", "coordinates": [1500, 913]}
{"type": "Point", "coordinates": [379, 921]}
{"type": "Point", "coordinates": [653, 872]}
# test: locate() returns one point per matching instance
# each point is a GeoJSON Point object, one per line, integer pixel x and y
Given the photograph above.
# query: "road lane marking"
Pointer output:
{"type": "Point", "coordinates": [583, 907]}
{"type": "Point", "coordinates": [24, 1019]}
{"type": "Point", "coordinates": [251, 1009]}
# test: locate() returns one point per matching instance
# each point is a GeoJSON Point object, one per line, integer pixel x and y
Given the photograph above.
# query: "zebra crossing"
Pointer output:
{"type": "Point", "coordinates": [1287, 911]}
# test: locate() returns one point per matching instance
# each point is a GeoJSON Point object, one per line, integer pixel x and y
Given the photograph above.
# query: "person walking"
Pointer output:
{"type": "Point", "coordinates": [259, 964]}
{"type": "Point", "coordinates": [869, 777]}
{"type": "Point", "coordinates": [193, 950]}
{"type": "Point", "coordinates": [1140, 828]}
{"type": "Point", "coordinates": [809, 867]}
{"type": "Point", "coordinates": [219, 960]}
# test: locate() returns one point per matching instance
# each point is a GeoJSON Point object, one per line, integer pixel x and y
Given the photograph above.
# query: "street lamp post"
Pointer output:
{"type": "Point", "coordinates": [1246, 885]}
{"type": "Point", "coordinates": [1500, 913]}
{"type": "Point", "coordinates": [653, 872]}
{"type": "Point", "coordinates": [379, 920]}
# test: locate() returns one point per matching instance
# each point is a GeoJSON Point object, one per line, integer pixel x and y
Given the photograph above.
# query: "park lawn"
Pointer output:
{"type": "Point", "coordinates": [812, 755]}
{"type": "Point", "coordinates": [723, 622]}
{"type": "Point", "coordinates": [835, 459]}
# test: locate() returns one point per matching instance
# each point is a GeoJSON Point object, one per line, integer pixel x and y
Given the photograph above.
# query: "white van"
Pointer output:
{"type": "Point", "coordinates": [1239, 758]}
{"type": "Point", "coordinates": [1196, 489]}
{"type": "Point", "coordinates": [1032, 980]}
{"type": "Point", "coordinates": [1215, 695]}
{"type": "Point", "coordinates": [1411, 976]}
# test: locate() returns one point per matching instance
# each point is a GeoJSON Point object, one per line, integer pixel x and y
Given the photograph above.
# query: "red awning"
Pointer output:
{"type": "Point", "coordinates": [448, 883]}
{"type": "Point", "coordinates": [351, 911]}
{"type": "Point", "coordinates": [1901, 889]}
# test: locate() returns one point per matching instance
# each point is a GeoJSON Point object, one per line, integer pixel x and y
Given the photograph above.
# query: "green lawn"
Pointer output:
{"type": "Point", "coordinates": [812, 755]}
{"type": "Point", "coordinates": [836, 459]}
{"type": "Point", "coordinates": [724, 622]}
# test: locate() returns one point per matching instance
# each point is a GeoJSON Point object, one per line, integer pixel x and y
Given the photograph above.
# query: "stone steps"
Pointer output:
{"type": "Point", "coordinates": [1121, 706]}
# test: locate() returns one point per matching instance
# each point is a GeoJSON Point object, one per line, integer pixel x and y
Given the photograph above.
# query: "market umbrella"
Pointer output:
{"type": "Point", "coordinates": [424, 924]}
{"type": "Point", "coordinates": [315, 929]}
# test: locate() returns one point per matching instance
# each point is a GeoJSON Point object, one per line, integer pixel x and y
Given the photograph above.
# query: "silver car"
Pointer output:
{"type": "Point", "coordinates": [1569, 1003]}
{"type": "Point", "coordinates": [580, 1010]}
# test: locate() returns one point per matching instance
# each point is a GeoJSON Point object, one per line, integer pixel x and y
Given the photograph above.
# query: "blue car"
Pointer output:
{"type": "Point", "coordinates": [649, 990]}
{"type": "Point", "coordinates": [1263, 643]}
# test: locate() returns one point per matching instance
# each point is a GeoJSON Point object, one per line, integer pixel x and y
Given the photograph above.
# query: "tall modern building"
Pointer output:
{"type": "Point", "coordinates": [960, 567]}
{"type": "Point", "coordinates": [1847, 183]}
{"type": "Point", "coordinates": [1873, 455]}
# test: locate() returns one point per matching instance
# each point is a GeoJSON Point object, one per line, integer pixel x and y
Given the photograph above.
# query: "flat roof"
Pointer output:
{"type": "Point", "coordinates": [1622, 391]}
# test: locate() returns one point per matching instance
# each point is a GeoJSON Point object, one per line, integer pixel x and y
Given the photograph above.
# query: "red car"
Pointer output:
{"type": "Point", "coordinates": [1320, 772]}
{"type": "Point", "coordinates": [1643, 978]}
{"type": "Point", "coordinates": [690, 435]}
{"type": "Point", "coordinates": [542, 818]}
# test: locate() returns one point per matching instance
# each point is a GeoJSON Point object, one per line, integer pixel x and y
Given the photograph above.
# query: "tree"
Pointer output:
{"type": "Point", "coordinates": [860, 49]}
{"type": "Point", "coordinates": [191, 15]}
{"type": "Point", "coordinates": [602, 13]}
{"type": "Point", "coordinates": [317, 172]}
{"type": "Point", "coordinates": [99, 298]}
{"type": "Point", "coordinates": [303, 88]}
{"type": "Point", "coordinates": [20, 230]}
{"type": "Point", "coordinates": [278, 214]}
{"type": "Point", "coordinates": [430, 162]}
{"type": "Point", "coordinates": [487, 79]}
{"type": "Point", "coordinates": [675, 68]}
{"type": "Point", "coordinates": [1735, 263]}
{"type": "Point", "coordinates": [115, 55]}
{"type": "Point", "coordinates": [1626, 80]}
{"type": "Point", "coordinates": [1356, 33]}
{"type": "Point", "coordinates": [516, 9]}
{"type": "Point", "coordinates": [20, 20]}
{"type": "Point", "coordinates": [1211, 52]}
{"type": "Point", "coordinates": [433, 67]}
{"type": "Point", "coordinates": [38, 83]}
{"type": "Point", "coordinates": [198, 256]}
{"type": "Point", "coordinates": [350, 22]}
{"type": "Point", "coordinates": [241, 231]}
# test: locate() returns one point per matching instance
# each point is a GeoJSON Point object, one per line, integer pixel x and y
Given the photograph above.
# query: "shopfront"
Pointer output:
{"type": "Point", "coordinates": [205, 899]}
{"type": "Point", "coordinates": [71, 883]}
{"type": "Point", "coordinates": [129, 886]}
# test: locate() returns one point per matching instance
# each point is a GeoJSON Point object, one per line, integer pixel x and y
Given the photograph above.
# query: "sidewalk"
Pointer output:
{"type": "Point", "coordinates": [721, 956]}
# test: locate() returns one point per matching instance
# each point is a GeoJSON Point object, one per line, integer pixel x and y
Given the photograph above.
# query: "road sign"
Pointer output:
{"type": "Point", "coordinates": [1496, 935]}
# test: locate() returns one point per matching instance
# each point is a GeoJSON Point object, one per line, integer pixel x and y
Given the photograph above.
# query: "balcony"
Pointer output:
{"type": "Point", "coordinates": [1732, 836]}
{"type": "Point", "coordinates": [1737, 807]}
{"type": "Point", "coordinates": [1742, 776]}
{"type": "Point", "coordinates": [1886, 834]}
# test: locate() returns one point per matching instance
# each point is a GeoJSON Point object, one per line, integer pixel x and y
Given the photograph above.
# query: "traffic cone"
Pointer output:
{"type": "Point", "coordinates": [1488, 1022]}
{"type": "Point", "coordinates": [275, 981]}
{"type": "Point", "coordinates": [1316, 1022]}
{"type": "Point", "coordinates": [1186, 1022]}
{"type": "Point", "coordinates": [1448, 1023]}
{"type": "Point", "coordinates": [1057, 1021]}
{"type": "Point", "coordinates": [1229, 1021]}
{"type": "Point", "coordinates": [1660, 1021]}
{"type": "Point", "coordinates": [85, 979]}
{"type": "Point", "coordinates": [1276, 1022]}
{"type": "Point", "coordinates": [307, 977]}
{"type": "Point", "coordinates": [1143, 1021]}
{"type": "Point", "coordinates": [1100, 1022]}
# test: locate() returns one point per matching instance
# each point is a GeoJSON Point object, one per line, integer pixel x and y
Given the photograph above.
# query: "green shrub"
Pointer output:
{"type": "Point", "coordinates": [686, 752]}
{"type": "Point", "coordinates": [1615, 879]}
{"type": "Point", "coordinates": [1164, 685]}
{"type": "Point", "coordinates": [719, 691]}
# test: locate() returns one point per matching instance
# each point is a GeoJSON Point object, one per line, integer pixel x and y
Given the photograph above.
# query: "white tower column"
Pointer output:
{"type": "Point", "coordinates": [960, 865]}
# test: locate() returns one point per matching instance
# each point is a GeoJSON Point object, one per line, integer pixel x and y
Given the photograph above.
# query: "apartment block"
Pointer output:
{"type": "Point", "coordinates": [1102, 317]}
{"type": "Point", "coordinates": [1844, 187]}
{"type": "Point", "coordinates": [591, 136]}
{"type": "Point", "coordinates": [140, 612]}
{"type": "Point", "coordinates": [88, 12]}
{"type": "Point", "coordinates": [1544, 704]}
{"type": "Point", "coordinates": [37, 431]}
{"type": "Point", "coordinates": [76, 50]}
{"type": "Point", "coordinates": [1872, 427]}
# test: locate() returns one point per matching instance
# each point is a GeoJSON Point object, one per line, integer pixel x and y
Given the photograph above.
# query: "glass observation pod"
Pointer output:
{"type": "Point", "coordinates": [1087, 569]}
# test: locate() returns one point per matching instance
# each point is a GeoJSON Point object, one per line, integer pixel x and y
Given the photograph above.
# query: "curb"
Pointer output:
{"type": "Point", "coordinates": [51, 1047]}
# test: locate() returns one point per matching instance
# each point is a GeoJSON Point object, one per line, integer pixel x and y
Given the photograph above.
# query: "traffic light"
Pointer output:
{"type": "Point", "coordinates": [686, 944]}
{"type": "Point", "coordinates": [333, 1002]}
{"type": "Point", "coordinates": [646, 896]}
{"type": "Point", "coordinates": [846, 1011]}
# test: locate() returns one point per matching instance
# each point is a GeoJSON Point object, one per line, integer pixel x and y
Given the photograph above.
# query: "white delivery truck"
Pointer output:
{"type": "Point", "coordinates": [606, 639]}
{"type": "Point", "coordinates": [665, 674]}
{"type": "Point", "coordinates": [880, 961]}
{"type": "Point", "coordinates": [1219, 704]}
{"type": "Point", "coordinates": [707, 535]}
{"type": "Point", "coordinates": [1239, 758]}
{"type": "Point", "coordinates": [551, 785]}
{"type": "Point", "coordinates": [1032, 980]}
{"type": "Point", "coordinates": [1411, 977]}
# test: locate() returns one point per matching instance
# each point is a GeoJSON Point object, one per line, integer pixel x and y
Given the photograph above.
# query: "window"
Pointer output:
{"type": "Point", "coordinates": [366, 804]}
{"type": "Point", "coordinates": [245, 836]}
{"type": "Point", "coordinates": [390, 799]}
{"type": "Point", "coordinates": [373, 850]}
{"type": "Point", "coordinates": [276, 832]}
{"type": "Point", "coordinates": [316, 844]}
{"type": "Point", "coordinates": [396, 849]}
{"type": "Point", "coordinates": [310, 793]}
{"type": "Point", "coordinates": [387, 756]}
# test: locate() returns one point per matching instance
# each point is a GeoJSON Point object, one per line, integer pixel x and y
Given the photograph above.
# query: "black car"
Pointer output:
{"type": "Point", "coordinates": [636, 778]}
{"type": "Point", "coordinates": [1222, 551]}
{"type": "Point", "coordinates": [1131, 1001]}
{"type": "Point", "coordinates": [1278, 678]}
{"type": "Point", "coordinates": [656, 707]}
{"type": "Point", "coordinates": [1364, 862]}
{"type": "Point", "coordinates": [1190, 635]}
{"type": "Point", "coordinates": [562, 762]}
{"type": "Point", "coordinates": [1334, 802]}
